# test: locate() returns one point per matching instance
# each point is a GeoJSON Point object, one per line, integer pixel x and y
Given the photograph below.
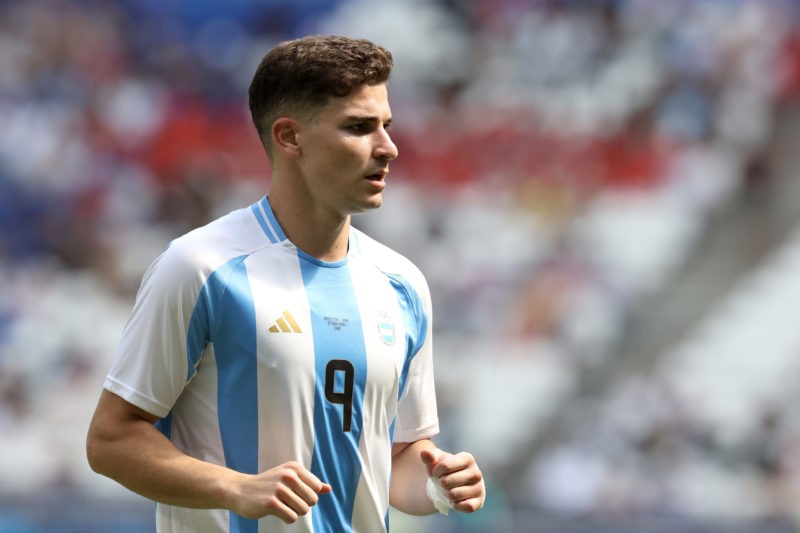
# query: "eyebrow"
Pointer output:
{"type": "Point", "coordinates": [366, 118]}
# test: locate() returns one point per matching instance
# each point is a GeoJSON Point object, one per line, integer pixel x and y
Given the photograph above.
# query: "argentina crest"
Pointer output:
{"type": "Point", "coordinates": [385, 327]}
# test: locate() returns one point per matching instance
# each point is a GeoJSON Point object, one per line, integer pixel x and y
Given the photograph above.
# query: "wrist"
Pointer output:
{"type": "Point", "coordinates": [227, 488]}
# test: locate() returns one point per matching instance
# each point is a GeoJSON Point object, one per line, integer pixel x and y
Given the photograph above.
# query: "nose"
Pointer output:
{"type": "Point", "coordinates": [384, 147]}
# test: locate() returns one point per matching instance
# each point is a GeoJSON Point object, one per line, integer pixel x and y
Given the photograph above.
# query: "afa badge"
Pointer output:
{"type": "Point", "coordinates": [385, 328]}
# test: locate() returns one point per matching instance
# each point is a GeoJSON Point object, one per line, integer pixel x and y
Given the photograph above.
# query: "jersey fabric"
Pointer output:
{"type": "Point", "coordinates": [253, 353]}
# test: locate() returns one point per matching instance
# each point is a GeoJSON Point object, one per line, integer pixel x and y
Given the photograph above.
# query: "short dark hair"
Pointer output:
{"type": "Point", "coordinates": [302, 74]}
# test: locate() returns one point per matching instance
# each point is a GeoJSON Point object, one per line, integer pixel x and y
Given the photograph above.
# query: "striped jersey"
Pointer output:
{"type": "Point", "coordinates": [253, 353]}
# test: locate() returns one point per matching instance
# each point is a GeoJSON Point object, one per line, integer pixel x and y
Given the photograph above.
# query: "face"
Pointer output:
{"type": "Point", "coordinates": [345, 151]}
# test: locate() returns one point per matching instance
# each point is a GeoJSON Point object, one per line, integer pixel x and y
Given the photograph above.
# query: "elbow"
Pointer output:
{"type": "Point", "coordinates": [112, 434]}
{"type": "Point", "coordinates": [96, 451]}
{"type": "Point", "coordinates": [93, 452]}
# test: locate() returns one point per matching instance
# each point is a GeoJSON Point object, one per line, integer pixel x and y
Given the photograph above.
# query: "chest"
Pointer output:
{"type": "Point", "coordinates": [333, 330]}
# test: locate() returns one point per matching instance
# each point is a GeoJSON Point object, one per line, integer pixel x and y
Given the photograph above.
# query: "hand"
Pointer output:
{"type": "Point", "coordinates": [287, 491]}
{"type": "Point", "coordinates": [459, 476]}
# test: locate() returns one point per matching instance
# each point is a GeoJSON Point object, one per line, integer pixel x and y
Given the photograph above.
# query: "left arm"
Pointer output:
{"type": "Point", "coordinates": [414, 462]}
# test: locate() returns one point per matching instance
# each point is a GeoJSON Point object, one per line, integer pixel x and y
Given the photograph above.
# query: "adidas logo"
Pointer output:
{"type": "Point", "coordinates": [285, 324]}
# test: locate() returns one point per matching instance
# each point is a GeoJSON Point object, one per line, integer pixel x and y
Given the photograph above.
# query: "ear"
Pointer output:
{"type": "Point", "coordinates": [285, 136]}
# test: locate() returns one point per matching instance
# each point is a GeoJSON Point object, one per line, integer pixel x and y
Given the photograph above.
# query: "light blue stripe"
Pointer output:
{"type": "Point", "coordinates": [415, 320]}
{"type": "Point", "coordinates": [199, 324]}
{"type": "Point", "coordinates": [234, 337]}
{"type": "Point", "coordinates": [335, 457]}
{"type": "Point", "coordinates": [263, 223]}
{"type": "Point", "coordinates": [164, 425]}
{"type": "Point", "coordinates": [391, 439]}
{"type": "Point", "coordinates": [272, 219]}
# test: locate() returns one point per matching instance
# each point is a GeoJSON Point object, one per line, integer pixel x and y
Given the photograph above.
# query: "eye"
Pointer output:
{"type": "Point", "coordinates": [366, 126]}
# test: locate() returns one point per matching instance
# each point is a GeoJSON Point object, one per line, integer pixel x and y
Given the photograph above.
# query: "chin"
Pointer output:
{"type": "Point", "coordinates": [369, 205]}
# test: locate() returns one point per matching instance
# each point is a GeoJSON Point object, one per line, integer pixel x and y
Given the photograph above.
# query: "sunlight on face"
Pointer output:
{"type": "Point", "coordinates": [346, 149]}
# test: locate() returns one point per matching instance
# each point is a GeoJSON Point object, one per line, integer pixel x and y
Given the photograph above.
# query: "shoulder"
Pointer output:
{"type": "Point", "coordinates": [388, 261]}
{"type": "Point", "coordinates": [200, 252]}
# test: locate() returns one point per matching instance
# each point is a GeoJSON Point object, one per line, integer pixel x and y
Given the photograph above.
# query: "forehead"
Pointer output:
{"type": "Point", "coordinates": [364, 101]}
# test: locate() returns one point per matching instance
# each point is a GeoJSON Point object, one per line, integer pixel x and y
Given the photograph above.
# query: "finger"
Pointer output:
{"type": "Point", "coordinates": [469, 505]}
{"type": "Point", "coordinates": [430, 457]}
{"type": "Point", "coordinates": [313, 482]}
{"type": "Point", "coordinates": [279, 509]}
{"type": "Point", "coordinates": [309, 495]}
{"type": "Point", "coordinates": [299, 481]}
{"type": "Point", "coordinates": [460, 478]}
{"type": "Point", "coordinates": [295, 501]}
{"type": "Point", "coordinates": [466, 492]}
{"type": "Point", "coordinates": [450, 463]}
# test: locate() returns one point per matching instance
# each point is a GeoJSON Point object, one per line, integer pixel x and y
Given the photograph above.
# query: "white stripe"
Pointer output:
{"type": "Point", "coordinates": [267, 221]}
{"type": "Point", "coordinates": [385, 363]}
{"type": "Point", "coordinates": [285, 371]}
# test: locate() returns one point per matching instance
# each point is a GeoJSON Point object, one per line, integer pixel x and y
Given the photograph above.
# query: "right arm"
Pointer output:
{"type": "Point", "coordinates": [123, 444]}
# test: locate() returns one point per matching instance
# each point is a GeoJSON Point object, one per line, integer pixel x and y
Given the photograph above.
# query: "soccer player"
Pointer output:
{"type": "Point", "coordinates": [277, 367]}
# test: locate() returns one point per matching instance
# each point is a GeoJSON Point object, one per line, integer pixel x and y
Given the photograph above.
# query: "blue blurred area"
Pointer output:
{"type": "Point", "coordinates": [69, 513]}
{"type": "Point", "coordinates": [284, 19]}
{"type": "Point", "coordinates": [601, 194]}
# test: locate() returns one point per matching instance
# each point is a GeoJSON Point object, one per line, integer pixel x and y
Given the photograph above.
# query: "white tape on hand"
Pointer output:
{"type": "Point", "coordinates": [437, 495]}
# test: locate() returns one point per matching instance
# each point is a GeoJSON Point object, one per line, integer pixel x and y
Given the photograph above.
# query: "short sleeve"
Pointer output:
{"type": "Point", "coordinates": [164, 337]}
{"type": "Point", "coordinates": [417, 416]}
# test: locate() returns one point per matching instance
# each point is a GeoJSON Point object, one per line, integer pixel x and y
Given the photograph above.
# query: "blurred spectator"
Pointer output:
{"type": "Point", "coordinates": [560, 163]}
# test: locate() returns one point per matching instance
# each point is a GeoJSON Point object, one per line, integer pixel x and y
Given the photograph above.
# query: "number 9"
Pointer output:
{"type": "Point", "coordinates": [345, 397]}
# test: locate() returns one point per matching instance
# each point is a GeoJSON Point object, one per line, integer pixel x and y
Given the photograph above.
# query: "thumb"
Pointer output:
{"type": "Point", "coordinates": [430, 457]}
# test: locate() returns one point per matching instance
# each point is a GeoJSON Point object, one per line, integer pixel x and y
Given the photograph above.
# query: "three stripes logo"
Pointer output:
{"type": "Point", "coordinates": [285, 324]}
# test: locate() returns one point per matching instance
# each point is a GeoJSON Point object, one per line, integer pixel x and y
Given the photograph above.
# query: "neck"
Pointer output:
{"type": "Point", "coordinates": [317, 231]}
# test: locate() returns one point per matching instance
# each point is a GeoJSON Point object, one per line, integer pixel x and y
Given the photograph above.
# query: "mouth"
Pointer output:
{"type": "Point", "coordinates": [378, 176]}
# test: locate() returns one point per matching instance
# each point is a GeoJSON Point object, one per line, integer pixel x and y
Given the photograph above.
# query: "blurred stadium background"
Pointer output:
{"type": "Point", "coordinates": [603, 195]}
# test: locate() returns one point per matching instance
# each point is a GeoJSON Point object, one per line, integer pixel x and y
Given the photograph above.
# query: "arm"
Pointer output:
{"type": "Point", "coordinates": [124, 445]}
{"type": "Point", "coordinates": [413, 463]}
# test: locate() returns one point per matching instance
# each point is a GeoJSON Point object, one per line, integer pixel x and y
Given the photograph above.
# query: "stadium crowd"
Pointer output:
{"type": "Point", "coordinates": [559, 161]}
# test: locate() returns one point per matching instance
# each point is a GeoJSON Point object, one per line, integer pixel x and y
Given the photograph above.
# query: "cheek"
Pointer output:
{"type": "Point", "coordinates": [332, 155]}
{"type": "Point", "coordinates": [344, 155]}
{"type": "Point", "coordinates": [329, 166]}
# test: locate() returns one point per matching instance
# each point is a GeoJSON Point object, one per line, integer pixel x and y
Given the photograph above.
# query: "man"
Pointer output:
{"type": "Point", "coordinates": [276, 368]}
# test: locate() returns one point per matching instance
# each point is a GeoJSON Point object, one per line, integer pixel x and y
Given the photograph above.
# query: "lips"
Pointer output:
{"type": "Point", "coordinates": [378, 176]}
